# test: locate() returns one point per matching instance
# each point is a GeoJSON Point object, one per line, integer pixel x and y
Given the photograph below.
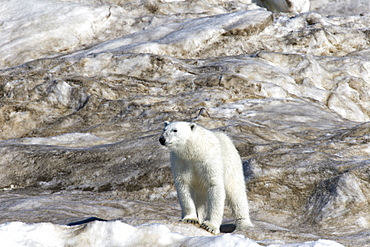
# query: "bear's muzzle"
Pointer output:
{"type": "Point", "coordinates": [162, 140]}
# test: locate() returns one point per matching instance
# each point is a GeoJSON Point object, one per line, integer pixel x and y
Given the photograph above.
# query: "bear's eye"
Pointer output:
{"type": "Point", "coordinates": [174, 130]}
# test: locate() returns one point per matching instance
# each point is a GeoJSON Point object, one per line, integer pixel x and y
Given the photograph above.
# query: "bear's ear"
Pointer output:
{"type": "Point", "coordinates": [166, 123]}
{"type": "Point", "coordinates": [192, 126]}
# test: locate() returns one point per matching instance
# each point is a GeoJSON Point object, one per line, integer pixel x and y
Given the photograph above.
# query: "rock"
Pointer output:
{"type": "Point", "coordinates": [295, 6]}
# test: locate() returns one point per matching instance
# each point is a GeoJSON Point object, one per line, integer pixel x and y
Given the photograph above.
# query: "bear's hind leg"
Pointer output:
{"type": "Point", "coordinates": [241, 213]}
{"type": "Point", "coordinates": [200, 202]}
{"type": "Point", "coordinates": [238, 202]}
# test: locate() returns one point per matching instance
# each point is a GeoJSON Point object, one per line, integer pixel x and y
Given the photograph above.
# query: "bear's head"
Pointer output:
{"type": "Point", "coordinates": [176, 134]}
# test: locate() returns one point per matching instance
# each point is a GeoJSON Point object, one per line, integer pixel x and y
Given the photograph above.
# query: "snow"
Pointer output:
{"type": "Point", "coordinates": [34, 28]}
{"type": "Point", "coordinates": [319, 243]}
{"type": "Point", "coordinates": [179, 38]}
{"type": "Point", "coordinates": [68, 139]}
{"type": "Point", "coordinates": [117, 233]}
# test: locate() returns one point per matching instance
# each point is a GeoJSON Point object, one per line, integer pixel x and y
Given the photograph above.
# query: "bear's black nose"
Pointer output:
{"type": "Point", "coordinates": [162, 140]}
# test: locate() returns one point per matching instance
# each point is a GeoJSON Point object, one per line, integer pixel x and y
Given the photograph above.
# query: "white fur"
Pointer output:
{"type": "Point", "coordinates": [207, 170]}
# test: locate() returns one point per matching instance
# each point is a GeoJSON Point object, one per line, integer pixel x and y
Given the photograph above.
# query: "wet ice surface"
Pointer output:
{"type": "Point", "coordinates": [86, 86]}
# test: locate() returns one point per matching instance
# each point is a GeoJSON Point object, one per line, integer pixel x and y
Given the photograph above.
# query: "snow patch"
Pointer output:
{"type": "Point", "coordinates": [69, 139]}
{"type": "Point", "coordinates": [117, 233]}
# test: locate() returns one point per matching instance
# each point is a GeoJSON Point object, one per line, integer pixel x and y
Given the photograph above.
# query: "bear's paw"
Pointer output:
{"type": "Point", "coordinates": [190, 220]}
{"type": "Point", "coordinates": [243, 224]}
{"type": "Point", "coordinates": [210, 227]}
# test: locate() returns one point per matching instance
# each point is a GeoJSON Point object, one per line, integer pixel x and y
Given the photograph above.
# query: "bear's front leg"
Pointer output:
{"type": "Point", "coordinates": [182, 177]}
{"type": "Point", "coordinates": [216, 202]}
{"type": "Point", "coordinates": [188, 209]}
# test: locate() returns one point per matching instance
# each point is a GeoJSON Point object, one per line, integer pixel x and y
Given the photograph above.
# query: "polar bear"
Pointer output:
{"type": "Point", "coordinates": [208, 172]}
